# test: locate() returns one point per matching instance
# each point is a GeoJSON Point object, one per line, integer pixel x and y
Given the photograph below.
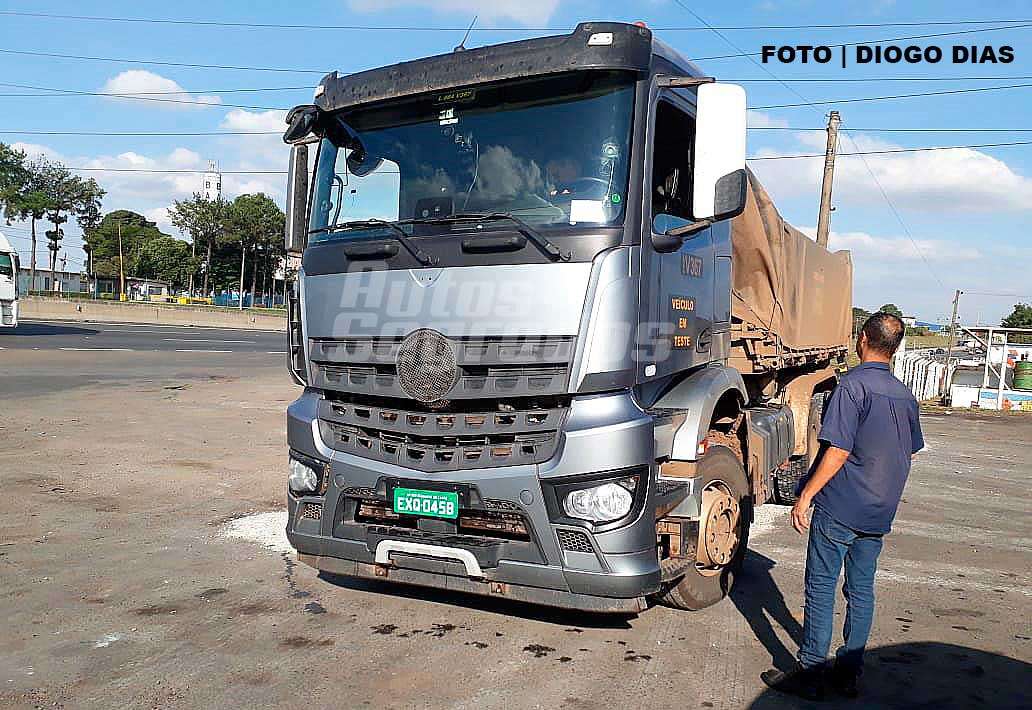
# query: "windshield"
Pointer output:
{"type": "Point", "coordinates": [552, 152]}
{"type": "Point", "coordinates": [6, 265]}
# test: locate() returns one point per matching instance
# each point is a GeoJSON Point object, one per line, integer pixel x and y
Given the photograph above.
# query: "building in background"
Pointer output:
{"type": "Point", "coordinates": [211, 186]}
{"type": "Point", "coordinates": [64, 281]}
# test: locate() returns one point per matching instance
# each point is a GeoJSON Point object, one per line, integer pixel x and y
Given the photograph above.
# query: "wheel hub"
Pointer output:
{"type": "Point", "coordinates": [719, 527]}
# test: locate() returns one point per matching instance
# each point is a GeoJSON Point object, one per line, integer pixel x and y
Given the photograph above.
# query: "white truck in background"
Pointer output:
{"type": "Point", "coordinates": [8, 284]}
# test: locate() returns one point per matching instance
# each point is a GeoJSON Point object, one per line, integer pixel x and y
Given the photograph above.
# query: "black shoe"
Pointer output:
{"type": "Point", "coordinates": [844, 681]}
{"type": "Point", "coordinates": [807, 683]}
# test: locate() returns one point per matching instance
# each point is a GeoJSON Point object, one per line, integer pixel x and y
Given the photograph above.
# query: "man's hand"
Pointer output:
{"type": "Point", "coordinates": [800, 515]}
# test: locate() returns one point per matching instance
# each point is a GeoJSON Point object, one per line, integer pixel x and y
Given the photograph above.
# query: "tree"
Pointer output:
{"type": "Point", "coordinates": [37, 198]}
{"type": "Point", "coordinates": [860, 317]}
{"type": "Point", "coordinates": [203, 220]}
{"type": "Point", "coordinates": [166, 259]}
{"type": "Point", "coordinates": [253, 222]}
{"type": "Point", "coordinates": [892, 309]}
{"type": "Point", "coordinates": [1020, 317]}
{"type": "Point", "coordinates": [14, 176]}
{"type": "Point", "coordinates": [103, 241]}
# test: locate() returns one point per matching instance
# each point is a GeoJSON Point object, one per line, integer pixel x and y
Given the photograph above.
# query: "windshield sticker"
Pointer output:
{"type": "Point", "coordinates": [447, 117]}
{"type": "Point", "coordinates": [587, 211]}
{"type": "Point", "coordinates": [615, 197]}
{"type": "Point", "coordinates": [461, 96]}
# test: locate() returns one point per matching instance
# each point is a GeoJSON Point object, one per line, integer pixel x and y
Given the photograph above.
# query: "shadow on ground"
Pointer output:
{"type": "Point", "coordinates": [35, 329]}
{"type": "Point", "coordinates": [929, 675]}
{"type": "Point", "coordinates": [759, 600]}
{"type": "Point", "coordinates": [493, 605]}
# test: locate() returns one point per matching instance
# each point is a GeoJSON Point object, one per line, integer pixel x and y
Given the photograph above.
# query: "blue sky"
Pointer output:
{"type": "Point", "coordinates": [968, 211]}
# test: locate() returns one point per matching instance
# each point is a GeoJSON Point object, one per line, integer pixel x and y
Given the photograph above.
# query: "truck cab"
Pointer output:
{"type": "Point", "coordinates": [512, 320]}
{"type": "Point", "coordinates": [8, 284]}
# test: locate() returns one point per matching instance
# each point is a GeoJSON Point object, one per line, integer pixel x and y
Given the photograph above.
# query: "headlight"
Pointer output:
{"type": "Point", "coordinates": [302, 479]}
{"type": "Point", "coordinates": [599, 504]}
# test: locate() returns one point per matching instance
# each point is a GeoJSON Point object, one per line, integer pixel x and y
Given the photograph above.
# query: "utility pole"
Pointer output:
{"type": "Point", "coordinates": [121, 266]}
{"type": "Point", "coordinates": [945, 387]}
{"type": "Point", "coordinates": [824, 217]}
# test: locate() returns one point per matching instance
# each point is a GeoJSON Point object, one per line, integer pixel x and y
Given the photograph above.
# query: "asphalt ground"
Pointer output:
{"type": "Point", "coordinates": [117, 353]}
{"type": "Point", "coordinates": [77, 336]}
{"type": "Point", "coordinates": [142, 565]}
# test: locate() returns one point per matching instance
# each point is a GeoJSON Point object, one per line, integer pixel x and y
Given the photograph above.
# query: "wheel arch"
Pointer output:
{"type": "Point", "coordinates": [702, 398]}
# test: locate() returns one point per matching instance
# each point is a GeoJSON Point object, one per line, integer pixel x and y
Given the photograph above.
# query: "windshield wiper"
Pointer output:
{"type": "Point", "coordinates": [525, 229]}
{"type": "Point", "coordinates": [400, 234]}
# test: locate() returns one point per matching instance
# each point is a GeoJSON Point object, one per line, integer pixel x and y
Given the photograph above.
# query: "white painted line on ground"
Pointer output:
{"type": "Point", "coordinates": [204, 351]}
{"type": "Point", "coordinates": [120, 350]}
{"type": "Point", "coordinates": [156, 325]}
{"type": "Point", "coordinates": [206, 340]}
{"type": "Point", "coordinates": [266, 529]}
{"type": "Point", "coordinates": [267, 352]}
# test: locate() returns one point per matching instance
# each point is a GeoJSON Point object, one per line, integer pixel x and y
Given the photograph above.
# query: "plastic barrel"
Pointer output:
{"type": "Point", "coordinates": [1023, 375]}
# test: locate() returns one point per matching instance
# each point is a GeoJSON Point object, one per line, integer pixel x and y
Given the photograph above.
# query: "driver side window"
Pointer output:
{"type": "Point", "coordinates": [672, 168]}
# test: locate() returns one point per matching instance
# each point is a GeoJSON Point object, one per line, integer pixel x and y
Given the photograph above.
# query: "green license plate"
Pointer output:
{"type": "Point", "coordinates": [434, 504]}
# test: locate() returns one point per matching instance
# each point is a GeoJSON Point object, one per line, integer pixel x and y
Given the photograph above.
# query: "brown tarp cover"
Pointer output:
{"type": "Point", "coordinates": [784, 282]}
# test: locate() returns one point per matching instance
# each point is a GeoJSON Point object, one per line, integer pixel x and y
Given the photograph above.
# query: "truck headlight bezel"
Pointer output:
{"type": "Point", "coordinates": [305, 476]}
{"type": "Point", "coordinates": [631, 481]}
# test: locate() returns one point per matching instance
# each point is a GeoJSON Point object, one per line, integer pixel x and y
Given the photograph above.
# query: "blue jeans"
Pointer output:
{"type": "Point", "coordinates": [830, 544]}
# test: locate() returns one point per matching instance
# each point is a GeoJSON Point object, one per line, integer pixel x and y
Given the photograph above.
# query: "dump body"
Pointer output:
{"type": "Point", "coordinates": [791, 299]}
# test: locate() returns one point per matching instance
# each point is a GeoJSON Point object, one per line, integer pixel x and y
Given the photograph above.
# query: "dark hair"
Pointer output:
{"type": "Point", "coordinates": [884, 332]}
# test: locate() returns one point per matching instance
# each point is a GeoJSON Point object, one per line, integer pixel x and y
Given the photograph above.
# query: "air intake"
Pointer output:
{"type": "Point", "coordinates": [427, 366]}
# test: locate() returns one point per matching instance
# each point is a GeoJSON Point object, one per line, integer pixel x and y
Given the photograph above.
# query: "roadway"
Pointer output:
{"type": "Point", "coordinates": [39, 357]}
{"type": "Point", "coordinates": [136, 337]}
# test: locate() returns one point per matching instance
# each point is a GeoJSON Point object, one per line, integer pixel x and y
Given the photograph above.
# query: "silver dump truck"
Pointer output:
{"type": "Point", "coordinates": [555, 341]}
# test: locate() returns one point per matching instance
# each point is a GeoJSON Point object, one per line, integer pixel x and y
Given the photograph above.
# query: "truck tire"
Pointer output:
{"type": "Point", "coordinates": [689, 584]}
{"type": "Point", "coordinates": [786, 479]}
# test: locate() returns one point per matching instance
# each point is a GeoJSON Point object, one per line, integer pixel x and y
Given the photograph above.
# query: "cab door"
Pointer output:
{"type": "Point", "coordinates": [677, 295]}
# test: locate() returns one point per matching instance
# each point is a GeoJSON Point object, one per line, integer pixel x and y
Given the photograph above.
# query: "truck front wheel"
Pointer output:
{"type": "Point", "coordinates": [696, 582]}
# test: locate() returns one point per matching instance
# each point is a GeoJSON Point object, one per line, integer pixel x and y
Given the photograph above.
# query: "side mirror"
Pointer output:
{"type": "Point", "coordinates": [719, 180]}
{"type": "Point", "coordinates": [297, 200]}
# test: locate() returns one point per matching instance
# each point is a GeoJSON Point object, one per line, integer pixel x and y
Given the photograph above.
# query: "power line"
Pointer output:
{"type": "Point", "coordinates": [135, 97]}
{"type": "Point", "coordinates": [874, 177]}
{"type": "Point", "coordinates": [888, 151]}
{"type": "Point", "coordinates": [894, 96]}
{"type": "Point", "coordinates": [742, 53]}
{"type": "Point", "coordinates": [158, 62]}
{"type": "Point", "coordinates": [890, 130]}
{"type": "Point", "coordinates": [181, 171]}
{"type": "Point", "coordinates": [61, 92]}
{"type": "Point", "coordinates": [186, 171]}
{"type": "Point", "coordinates": [414, 28]}
{"type": "Point", "coordinates": [142, 133]}
{"type": "Point", "coordinates": [873, 79]}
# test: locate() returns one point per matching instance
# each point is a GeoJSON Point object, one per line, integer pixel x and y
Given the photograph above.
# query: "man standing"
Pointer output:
{"type": "Point", "coordinates": [869, 434]}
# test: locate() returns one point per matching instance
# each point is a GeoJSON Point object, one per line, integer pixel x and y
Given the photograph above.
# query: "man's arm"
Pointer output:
{"type": "Point", "coordinates": [830, 464]}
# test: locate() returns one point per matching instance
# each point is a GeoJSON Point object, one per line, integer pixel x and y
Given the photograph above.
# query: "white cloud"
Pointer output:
{"type": "Point", "coordinates": [879, 261]}
{"type": "Point", "coordinates": [867, 248]}
{"type": "Point", "coordinates": [259, 152]}
{"type": "Point", "coordinates": [155, 90]}
{"type": "Point", "coordinates": [527, 12]}
{"type": "Point", "coordinates": [760, 119]}
{"type": "Point", "coordinates": [962, 180]}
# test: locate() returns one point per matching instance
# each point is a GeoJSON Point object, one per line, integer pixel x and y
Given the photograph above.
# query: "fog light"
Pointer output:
{"type": "Point", "coordinates": [599, 504]}
{"type": "Point", "coordinates": [302, 479]}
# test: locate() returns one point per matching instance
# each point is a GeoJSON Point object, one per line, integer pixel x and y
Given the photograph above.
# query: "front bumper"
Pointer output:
{"type": "Point", "coordinates": [560, 562]}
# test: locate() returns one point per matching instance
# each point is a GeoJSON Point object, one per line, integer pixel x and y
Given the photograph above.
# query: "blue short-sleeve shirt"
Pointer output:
{"type": "Point", "coordinates": [874, 417]}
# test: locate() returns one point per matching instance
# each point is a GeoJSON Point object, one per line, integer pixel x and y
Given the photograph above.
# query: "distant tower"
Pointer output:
{"type": "Point", "coordinates": [211, 188]}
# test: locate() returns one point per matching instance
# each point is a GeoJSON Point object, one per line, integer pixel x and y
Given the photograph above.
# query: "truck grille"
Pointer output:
{"type": "Point", "coordinates": [402, 368]}
{"type": "Point", "coordinates": [428, 440]}
{"type": "Point", "coordinates": [431, 403]}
